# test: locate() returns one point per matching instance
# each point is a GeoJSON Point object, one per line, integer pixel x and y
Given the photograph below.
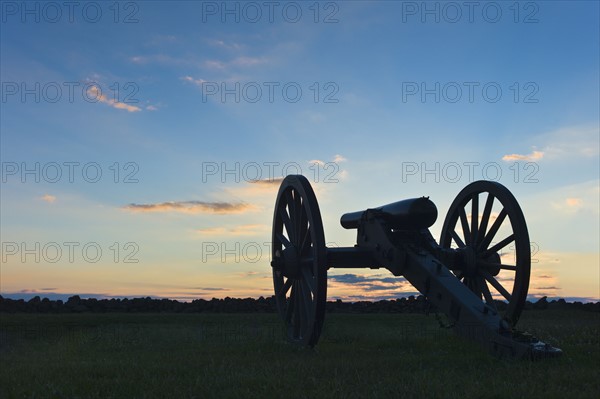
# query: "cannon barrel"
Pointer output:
{"type": "Point", "coordinates": [409, 214]}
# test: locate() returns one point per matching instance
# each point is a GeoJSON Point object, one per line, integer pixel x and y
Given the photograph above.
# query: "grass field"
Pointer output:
{"type": "Point", "coordinates": [245, 355]}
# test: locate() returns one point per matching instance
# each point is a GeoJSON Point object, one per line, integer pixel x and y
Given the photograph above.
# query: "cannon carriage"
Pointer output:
{"type": "Point", "coordinates": [460, 275]}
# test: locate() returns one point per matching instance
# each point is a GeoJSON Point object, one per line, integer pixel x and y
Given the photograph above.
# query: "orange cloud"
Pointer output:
{"type": "Point", "coordinates": [573, 202]}
{"type": "Point", "coordinates": [192, 207]}
{"type": "Point", "coordinates": [534, 156]}
{"type": "Point", "coordinates": [48, 198]}
{"type": "Point", "coordinates": [98, 96]}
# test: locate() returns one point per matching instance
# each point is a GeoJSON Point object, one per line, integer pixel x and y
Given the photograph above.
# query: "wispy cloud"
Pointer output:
{"type": "Point", "coordinates": [215, 64]}
{"type": "Point", "coordinates": [197, 82]}
{"type": "Point", "coordinates": [572, 205]}
{"type": "Point", "coordinates": [336, 159]}
{"type": "Point", "coordinates": [238, 62]}
{"type": "Point", "coordinates": [192, 207]}
{"type": "Point", "coordinates": [224, 44]}
{"type": "Point", "coordinates": [574, 202]}
{"type": "Point", "coordinates": [364, 284]}
{"type": "Point", "coordinates": [249, 61]}
{"type": "Point", "coordinates": [274, 181]}
{"type": "Point", "coordinates": [48, 198]}
{"type": "Point", "coordinates": [96, 94]}
{"type": "Point", "coordinates": [572, 142]}
{"type": "Point", "coordinates": [243, 230]}
{"type": "Point", "coordinates": [534, 156]}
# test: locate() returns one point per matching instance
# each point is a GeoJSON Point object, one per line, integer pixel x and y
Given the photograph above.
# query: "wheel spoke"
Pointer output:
{"type": "Point", "coordinates": [289, 200]}
{"type": "Point", "coordinates": [474, 218]}
{"type": "Point", "coordinates": [465, 226]}
{"type": "Point", "coordinates": [290, 306]}
{"type": "Point", "coordinates": [457, 239]}
{"type": "Point", "coordinates": [298, 216]}
{"type": "Point", "coordinates": [286, 222]}
{"type": "Point", "coordinates": [297, 310]}
{"type": "Point", "coordinates": [486, 293]}
{"type": "Point", "coordinates": [485, 218]}
{"type": "Point", "coordinates": [498, 246]}
{"type": "Point", "coordinates": [283, 239]}
{"type": "Point", "coordinates": [496, 284]}
{"type": "Point", "coordinates": [307, 303]}
{"type": "Point", "coordinates": [284, 289]}
{"type": "Point", "coordinates": [302, 228]}
{"type": "Point", "coordinates": [493, 230]}
{"type": "Point", "coordinates": [309, 280]}
{"type": "Point", "coordinates": [306, 240]}
{"type": "Point", "coordinates": [508, 267]}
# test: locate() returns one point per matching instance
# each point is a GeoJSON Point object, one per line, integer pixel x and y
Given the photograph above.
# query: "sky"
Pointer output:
{"type": "Point", "coordinates": [143, 142]}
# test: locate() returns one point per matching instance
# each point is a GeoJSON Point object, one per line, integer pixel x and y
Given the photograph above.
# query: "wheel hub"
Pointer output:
{"type": "Point", "coordinates": [291, 262]}
{"type": "Point", "coordinates": [469, 262]}
{"type": "Point", "coordinates": [492, 264]}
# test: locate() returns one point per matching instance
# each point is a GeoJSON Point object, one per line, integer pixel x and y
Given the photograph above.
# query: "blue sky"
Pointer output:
{"type": "Point", "coordinates": [385, 87]}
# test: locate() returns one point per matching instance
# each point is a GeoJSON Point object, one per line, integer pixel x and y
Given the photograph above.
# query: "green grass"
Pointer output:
{"type": "Point", "coordinates": [245, 355]}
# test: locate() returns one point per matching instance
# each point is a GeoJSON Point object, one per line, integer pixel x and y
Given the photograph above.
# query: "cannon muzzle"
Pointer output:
{"type": "Point", "coordinates": [409, 214]}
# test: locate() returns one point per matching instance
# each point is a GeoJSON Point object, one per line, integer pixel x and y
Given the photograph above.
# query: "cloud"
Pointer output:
{"type": "Point", "coordinates": [96, 94]}
{"type": "Point", "coordinates": [240, 62]}
{"type": "Point", "coordinates": [214, 64]}
{"type": "Point", "coordinates": [569, 205]}
{"type": "Point", "coordinates": [224, 44]}
{"type": "Point", "coordinates": [243, 230]}
{"type": "Point", "coordinates": [573, 202]}
{"type": "Point", "coordinates": [151, 108]}
{"type": "Point", "coordinates": [370, 283]}
{"type": "Point", "coordinates": [336, 159]}
{"type": "Point", "coordinates": [534, 156]}
{"type": "Point", "coordinates": [163, 59]}
{"type": "Point", "coordinates": [274, 181]}
{"type": "Point", "coordinates": [192, 207]}
{"type": "Point", "coordinates": [572, 142]}
{"type": "Point", "coordinates": [249, 61]}
{"type": "Point", "coordinates": [48, 198]}
{"type": "Point", "coordinates": [197, 82]}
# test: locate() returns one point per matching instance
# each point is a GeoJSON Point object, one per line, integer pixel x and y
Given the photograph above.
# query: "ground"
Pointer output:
{"type": "Point", "coordinates": [245, 355]}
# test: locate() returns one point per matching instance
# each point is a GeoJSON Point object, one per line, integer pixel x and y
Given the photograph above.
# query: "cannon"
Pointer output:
{"type": "Point", "coordinates": [466, 275]}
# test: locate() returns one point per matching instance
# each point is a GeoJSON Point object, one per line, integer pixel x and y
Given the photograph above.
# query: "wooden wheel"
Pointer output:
{"type": "Point", "coordinates": [495, 244]}
{"type": "Point", "coordinates": [299, 260]}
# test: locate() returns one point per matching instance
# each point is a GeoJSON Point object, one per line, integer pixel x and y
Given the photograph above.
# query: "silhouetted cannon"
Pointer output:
{"type": "Point", "coordinates": [464, 276]}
